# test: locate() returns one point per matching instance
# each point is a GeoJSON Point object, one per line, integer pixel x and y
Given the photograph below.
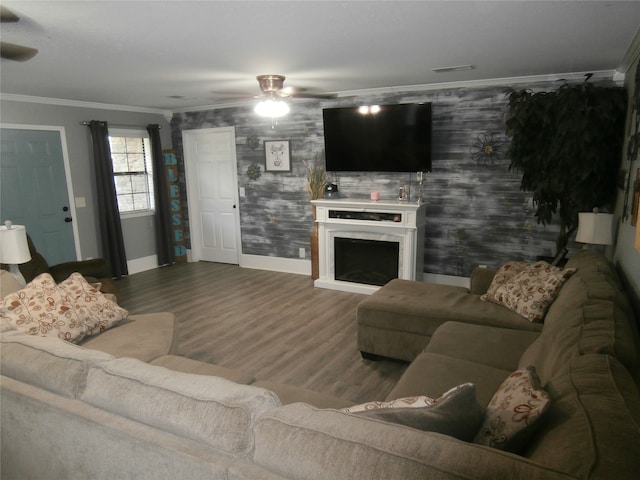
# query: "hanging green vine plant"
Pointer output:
{"type": "Point", "coordinates": [254, 171]}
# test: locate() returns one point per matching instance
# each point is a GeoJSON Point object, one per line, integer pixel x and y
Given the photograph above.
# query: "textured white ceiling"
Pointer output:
{"type": "Point", "coordinates": [179, 54]}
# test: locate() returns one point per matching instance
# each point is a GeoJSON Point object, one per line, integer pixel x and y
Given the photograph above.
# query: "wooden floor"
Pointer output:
{"type": "Point", "coordinates": [276, 326]}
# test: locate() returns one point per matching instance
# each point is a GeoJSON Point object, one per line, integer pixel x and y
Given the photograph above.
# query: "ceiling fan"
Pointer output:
{"type": "Point", "coordinates": [272, 86]}
{"type": "Point", "coordinates": [12, 51]}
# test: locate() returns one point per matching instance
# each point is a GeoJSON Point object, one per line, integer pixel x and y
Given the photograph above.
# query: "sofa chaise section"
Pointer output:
{"type": "Point", "coordinates": [399, 319]}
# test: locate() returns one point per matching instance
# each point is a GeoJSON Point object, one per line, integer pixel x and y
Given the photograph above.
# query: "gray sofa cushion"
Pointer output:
{"type": "Point", "coordinates": [590, 315]}
{"type": "Point", "coordinates": [302, 442]}
{"type": "Point", "coordinates": [212, 410]}
{"type": "Point", "coordinates": [188, 365]}
{"type": "Point", "coordinates": [592, 427]}
{"type": "Point", "coordinates": [142, 336]}
{"type": "Point", "coordinates": [292, 394]}
{"type": "Point", "coordinates": [432, 374]}
{"type": "Point", "coordinates": [420, 307]}
{"type": "Point", "coordinates": [48, 362]}
{"type": "Point", "coordinates": [492, 346]}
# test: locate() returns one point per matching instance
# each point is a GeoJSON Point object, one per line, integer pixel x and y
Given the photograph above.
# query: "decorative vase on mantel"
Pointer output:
{"type": "Point", "coordinates": [316, 181]}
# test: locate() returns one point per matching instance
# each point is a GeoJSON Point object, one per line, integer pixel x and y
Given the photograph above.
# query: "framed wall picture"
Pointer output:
{"type": "Point", "coordinates": [277, 156]}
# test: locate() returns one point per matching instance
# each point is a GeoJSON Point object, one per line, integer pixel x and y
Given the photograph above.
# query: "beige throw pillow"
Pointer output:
{"type": "Point", "coordinates": [513, 409]}
{"type": "Point", "coordinates": [456, 412]}
{"type": "Point", "coordinates": [94, 308]}
{"type": "Point", "coordinates": [70, 310]}
{"type": "Point", "coordinates": [531, 291]}
{"type": "Point", "coordinates": [41, 308]}
{"type": "Point", "coordinates": [504, 273]}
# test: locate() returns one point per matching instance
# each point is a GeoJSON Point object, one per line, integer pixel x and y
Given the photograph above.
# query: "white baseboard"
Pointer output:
{"type": "Point", "coordinates": [447, 280]}
{"type": "Point", "coordinates": [276, 264]}
{"type": "Point", "coordinates": [287, 265]}
{"type": "Point", "coordinates": [143, 264]}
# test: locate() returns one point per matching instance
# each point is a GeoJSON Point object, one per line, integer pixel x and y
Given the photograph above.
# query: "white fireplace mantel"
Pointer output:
{"type": "Point", "coordinates": [383, 220]}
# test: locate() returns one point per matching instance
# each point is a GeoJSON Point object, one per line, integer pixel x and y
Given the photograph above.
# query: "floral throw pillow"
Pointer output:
{"type": "Point", "coordinates": [513, 409]}
{"type": "Point", "coordinates": [93, 307]}
{"type": "Point", "coordinates": [41, 308]}
{"type": "Point", "coordinates": [406, 402]}
{"type": "Point", "coordinates": [531, 292]}
{"type": "Point", "coordinates": [504, 273]}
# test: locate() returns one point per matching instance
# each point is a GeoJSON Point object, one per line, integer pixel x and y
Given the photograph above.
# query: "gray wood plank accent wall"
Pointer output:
{"type": "Point", "coordinates": [476, 212]}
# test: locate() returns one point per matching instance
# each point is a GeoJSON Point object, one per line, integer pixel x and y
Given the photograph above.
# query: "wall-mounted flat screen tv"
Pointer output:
{"type": "Point", "coordinates": [384, 138]}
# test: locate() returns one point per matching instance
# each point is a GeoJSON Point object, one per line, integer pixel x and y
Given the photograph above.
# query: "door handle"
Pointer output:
{"type": "Point", "coordinates": [68, 219]}
{"type": "Point", "coordinates": [234, 205]}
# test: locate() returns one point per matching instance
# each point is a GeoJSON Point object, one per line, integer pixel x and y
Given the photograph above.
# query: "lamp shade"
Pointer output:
{"type": "Point", "coordinates": [595, 228]}
{"type": "Point", "coordinates": [14, 248]}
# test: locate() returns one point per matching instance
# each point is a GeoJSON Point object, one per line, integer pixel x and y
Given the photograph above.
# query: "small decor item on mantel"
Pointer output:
{"type": "Point", "coordinates": [316, 181]}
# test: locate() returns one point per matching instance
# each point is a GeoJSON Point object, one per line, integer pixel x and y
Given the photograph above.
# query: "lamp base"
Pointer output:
{"type": "Point", "coordinates": [15, 271]}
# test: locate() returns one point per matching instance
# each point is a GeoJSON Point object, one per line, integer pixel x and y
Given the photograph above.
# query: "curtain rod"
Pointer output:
{"type": "Point", "coordinates": [85, 123]}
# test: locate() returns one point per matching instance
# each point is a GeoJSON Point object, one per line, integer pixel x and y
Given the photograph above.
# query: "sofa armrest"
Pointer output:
{"type": "Point", "coordinates": [481, 278]}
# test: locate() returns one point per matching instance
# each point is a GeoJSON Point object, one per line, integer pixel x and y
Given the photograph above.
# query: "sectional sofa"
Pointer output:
{"type": "Point", "coordinates": [125, 405]}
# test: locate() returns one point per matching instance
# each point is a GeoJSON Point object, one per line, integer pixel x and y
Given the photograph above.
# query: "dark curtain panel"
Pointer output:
{"type": "Point", "coordinates": [109, 215]}
{"type": "Point", "coordinates": [161, 192]}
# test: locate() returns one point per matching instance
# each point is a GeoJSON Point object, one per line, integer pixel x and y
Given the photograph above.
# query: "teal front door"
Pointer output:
{"type": "Point", "coordinates": [34, 190]}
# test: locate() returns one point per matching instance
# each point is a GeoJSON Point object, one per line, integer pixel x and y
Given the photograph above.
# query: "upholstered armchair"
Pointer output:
{"type": "Point", "coordinates": [94, 270]}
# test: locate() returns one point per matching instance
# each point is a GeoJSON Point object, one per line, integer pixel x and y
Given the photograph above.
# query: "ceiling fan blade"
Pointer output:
{"type": "Point", "coordinates": [18, 53]}
{"type": "Point", "coordinates": [322, 96]}
{"type": "Point", "coordinates": [7, 16]}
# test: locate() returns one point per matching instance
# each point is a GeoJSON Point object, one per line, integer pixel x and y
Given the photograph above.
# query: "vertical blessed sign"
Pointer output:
{"type": "Point", "coordinates": [177, 225]}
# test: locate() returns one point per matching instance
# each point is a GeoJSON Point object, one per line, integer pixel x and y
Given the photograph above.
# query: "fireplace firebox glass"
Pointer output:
{"type": "Point", "coordinates": [371, 262]}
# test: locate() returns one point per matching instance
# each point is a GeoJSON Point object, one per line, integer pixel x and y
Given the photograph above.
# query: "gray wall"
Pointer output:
{"type": "Point", "coordinates": [476, 212]}
{"type": "Point", "coordinates": [139, 237]}
{"type": "Point", "coordinates": [626, 256]}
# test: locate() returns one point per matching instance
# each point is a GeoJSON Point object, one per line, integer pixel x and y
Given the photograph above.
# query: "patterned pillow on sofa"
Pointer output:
{"type": "Point", "coordinates": [95, 309]}
{"type": "Point", "coordinates": [41, 308]}
{"type": "Point", "coordinates": [513, 409]}
{"type": "Point", "coordinates": [504, 273]}
{"type": "Point", "coordinates": [70, 310]}
{"type": "Point", "coordinates": [531, 291]}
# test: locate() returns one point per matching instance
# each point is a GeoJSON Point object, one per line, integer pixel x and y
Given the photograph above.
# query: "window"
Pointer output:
{"type": "Point", "coordinates": [132, 170]}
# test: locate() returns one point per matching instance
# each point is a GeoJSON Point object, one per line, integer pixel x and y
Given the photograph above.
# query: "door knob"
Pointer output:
{"type": "Point", "coordinates": [65, 209]}
{"type": "Point", "coordinates": [68, 219]}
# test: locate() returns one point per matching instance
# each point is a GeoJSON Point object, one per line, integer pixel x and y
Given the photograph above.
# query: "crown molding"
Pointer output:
{"type": "Point", "coordinates": [632, 53]}
{"type": "Point", "coordinates": [489, 82]}
{"type": "Point", "coordinates": [62, 102]}
{"type": "Point", "coordinates": [615, 75]}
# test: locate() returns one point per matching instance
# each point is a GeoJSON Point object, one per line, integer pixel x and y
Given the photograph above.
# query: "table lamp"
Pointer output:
{"type": "Point", "coordinates": [14, 248]}
{"type": "Point", "coordinates": [595, 228]}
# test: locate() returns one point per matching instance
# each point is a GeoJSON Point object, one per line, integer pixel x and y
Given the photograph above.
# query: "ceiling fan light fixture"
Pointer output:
{"type": "Point", "coordinates": [272, 108]}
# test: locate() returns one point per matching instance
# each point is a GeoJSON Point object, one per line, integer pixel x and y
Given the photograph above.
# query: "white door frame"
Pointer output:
{"type": "Point", "coordinates": [67, 174]}
{"type": "Point", "coordinates": [193, 205]}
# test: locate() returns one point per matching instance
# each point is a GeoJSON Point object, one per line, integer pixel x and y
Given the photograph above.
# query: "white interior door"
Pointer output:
{"type": "Point", "coordinates": [212, 194]}
{"type": "Point", "coordinates": [36, 189]}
